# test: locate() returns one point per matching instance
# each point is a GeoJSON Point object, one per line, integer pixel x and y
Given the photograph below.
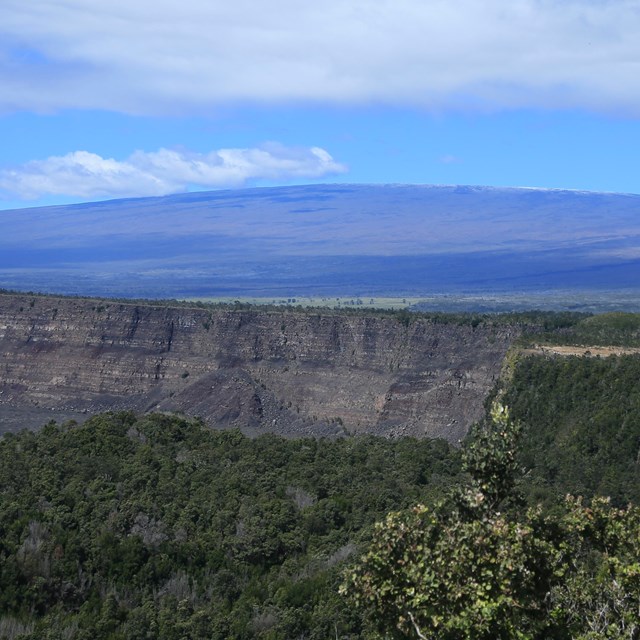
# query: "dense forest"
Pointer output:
{"type": "Point", "coordinates": [155, 526]}
{"type": "Point", "coordinates": [582, 418]}
{"type": "Point", "coordinates": [482, 564]}
{"type": "Point", "coordinates": [616, 328]}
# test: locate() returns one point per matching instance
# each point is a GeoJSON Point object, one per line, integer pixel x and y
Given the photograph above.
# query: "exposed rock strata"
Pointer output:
{"type": "Point", "coordinates": [285, 372]}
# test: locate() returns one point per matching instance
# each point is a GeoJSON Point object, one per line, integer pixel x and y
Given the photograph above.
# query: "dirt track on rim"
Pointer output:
{"type": "Point", "coordinates": [588, 351]}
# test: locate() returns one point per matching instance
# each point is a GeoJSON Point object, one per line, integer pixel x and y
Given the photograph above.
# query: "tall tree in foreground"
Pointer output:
{"type": "Point", "coordinates": [479, 565]}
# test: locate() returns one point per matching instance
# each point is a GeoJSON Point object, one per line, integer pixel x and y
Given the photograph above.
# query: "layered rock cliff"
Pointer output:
{"type": "Point", "coordinates": [288, 372]}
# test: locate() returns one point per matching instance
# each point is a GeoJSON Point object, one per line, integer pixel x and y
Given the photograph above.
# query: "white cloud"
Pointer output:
{"type": "Point", "coordinates": [162, 56]}
{"type": "Point", "coordinates": [88, 175]}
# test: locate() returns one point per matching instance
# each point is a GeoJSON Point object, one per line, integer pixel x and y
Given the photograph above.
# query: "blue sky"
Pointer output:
{"type": "Point", "coordinates": [132, 98]}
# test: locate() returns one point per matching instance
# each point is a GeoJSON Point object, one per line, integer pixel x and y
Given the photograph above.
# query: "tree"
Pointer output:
{"type": "Point", "coordinates": [600, 597]}
{"type": "Point", "coordinates": [471, 567]}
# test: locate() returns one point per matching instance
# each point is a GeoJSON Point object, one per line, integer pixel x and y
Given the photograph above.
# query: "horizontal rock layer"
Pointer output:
{"type": "Point", "coordinates": [288, 372]}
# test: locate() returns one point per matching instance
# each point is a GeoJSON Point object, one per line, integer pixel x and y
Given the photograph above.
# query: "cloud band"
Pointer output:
{"type": "Point", "coordinates": [87, 175]}
{"type": "Point", "coordinates": [144, 56]}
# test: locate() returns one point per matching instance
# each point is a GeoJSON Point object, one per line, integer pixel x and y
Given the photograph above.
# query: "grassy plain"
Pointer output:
{"type": "Point", "coordinates": [332, 302]}
{"type": "Point", "coordinates": [589, 301]}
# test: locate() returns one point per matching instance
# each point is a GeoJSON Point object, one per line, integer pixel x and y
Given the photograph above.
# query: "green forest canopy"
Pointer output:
{"type": "Point", "coordinates": [159, 527]}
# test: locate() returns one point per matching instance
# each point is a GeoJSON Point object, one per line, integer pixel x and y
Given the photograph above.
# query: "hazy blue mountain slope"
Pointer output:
{"type": "Point", "coordinates": [326, 239]}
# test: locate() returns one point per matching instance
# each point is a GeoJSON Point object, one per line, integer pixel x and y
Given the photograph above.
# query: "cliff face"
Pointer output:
{"type": "Point", "coordinates": [285, 372]}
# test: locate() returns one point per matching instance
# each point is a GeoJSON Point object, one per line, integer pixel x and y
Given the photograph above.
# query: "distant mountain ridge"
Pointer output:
{"type": "Point", "coordinates": [327, 240]}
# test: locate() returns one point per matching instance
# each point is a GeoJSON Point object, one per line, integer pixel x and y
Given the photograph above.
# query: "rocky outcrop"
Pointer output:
{"type": "Point", "coordinates": [288, 372]}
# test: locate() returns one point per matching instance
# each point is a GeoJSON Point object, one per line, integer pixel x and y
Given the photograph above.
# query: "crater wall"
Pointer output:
{"type": "Point", "coordinates": [288, 372]}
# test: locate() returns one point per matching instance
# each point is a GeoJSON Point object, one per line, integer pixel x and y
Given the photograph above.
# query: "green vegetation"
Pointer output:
{"type": "Point", "coordinates": [582, 418]}
{"type": "Point", "coordinates": [330, 302]}
{"type": "Point", "coordinates": [608, 329]}
{"type": "Point", "coordinates": [507, 555]}
{"type": "Point", "coordinates": [477, 565]}
{"type": "Point", "coordinates": [156, 527]}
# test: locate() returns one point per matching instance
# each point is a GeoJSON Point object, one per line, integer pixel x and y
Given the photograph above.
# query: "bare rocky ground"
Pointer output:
{"type": "Point", "coordinates": [288, 372]}
{"type": "Point", "coordinates": [584, 351]}
{"type": "Point", "coordinates": [14, 419]}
